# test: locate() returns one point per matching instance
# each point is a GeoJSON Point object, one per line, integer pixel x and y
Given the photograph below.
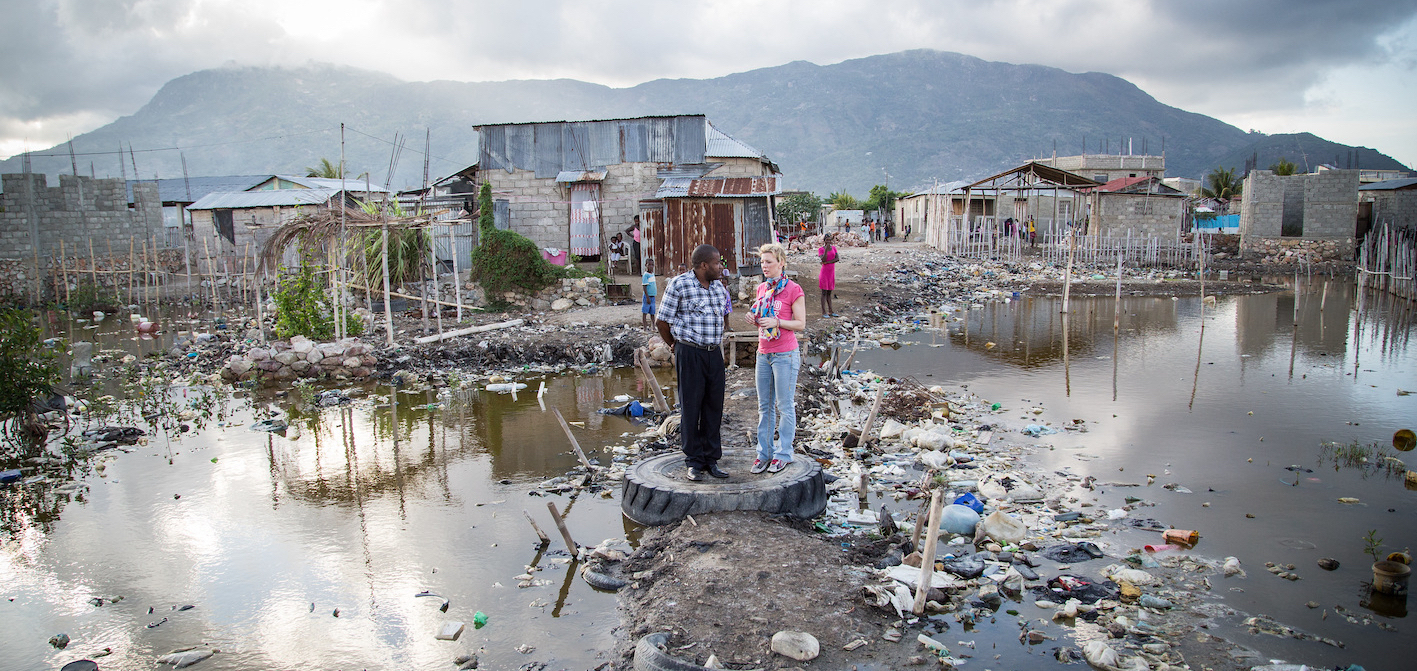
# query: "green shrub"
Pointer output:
{"type": "Point", "coordinates": [508, 261]}
{"type": "Point", "coordinates": [27, 373]}
{"type": "Point", "coordinates": [303, 307]}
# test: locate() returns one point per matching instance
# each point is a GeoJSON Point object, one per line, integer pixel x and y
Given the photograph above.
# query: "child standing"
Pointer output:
{"type": "Point", "coordinates": [650, 289]}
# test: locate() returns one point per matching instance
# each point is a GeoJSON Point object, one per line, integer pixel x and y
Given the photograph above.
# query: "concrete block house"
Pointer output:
{"type": "Point", "coordinates": [1314, 215]}
{"type": "Point", "coordinates": [571, 185]}
{"type": "Point", "coordinates": [1142, 205]}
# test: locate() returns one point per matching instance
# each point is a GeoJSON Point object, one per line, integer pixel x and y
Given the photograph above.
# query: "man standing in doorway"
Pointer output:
{"type": "Point", "coordinates": [691, 316]}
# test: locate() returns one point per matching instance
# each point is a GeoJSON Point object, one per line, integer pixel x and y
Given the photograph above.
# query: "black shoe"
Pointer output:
{"type": "Point", "coordinates": [694, 474]}
{"type": "Point", "coordinates": [717, 472]}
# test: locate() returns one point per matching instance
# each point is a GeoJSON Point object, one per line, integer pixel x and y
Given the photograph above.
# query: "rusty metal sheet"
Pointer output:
{"type": "Point", "coordinates": [733, 186]}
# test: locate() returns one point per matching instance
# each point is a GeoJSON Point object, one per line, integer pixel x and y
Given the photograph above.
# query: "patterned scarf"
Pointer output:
{"type": "Point", "coordinates": [763, 306]}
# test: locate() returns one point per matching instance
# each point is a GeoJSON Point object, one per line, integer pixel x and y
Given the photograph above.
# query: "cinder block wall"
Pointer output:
{"type": "Point", "coordinates": [79, 209]}
{"type": "Point", "coordinates": [1261, 204]}
{"type": "Point", "coordinates": [1331, 204]}
{"type": "Point", "coordinates": [1397, 207]}
{"type": "Point", "coordinates": [1142, 215]}
{"type": "Point", "coordinates": [540, 208]}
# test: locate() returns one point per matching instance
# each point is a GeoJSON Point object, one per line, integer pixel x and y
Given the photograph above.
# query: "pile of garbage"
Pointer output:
{"type": "Point", "coordinates": [302, 358]}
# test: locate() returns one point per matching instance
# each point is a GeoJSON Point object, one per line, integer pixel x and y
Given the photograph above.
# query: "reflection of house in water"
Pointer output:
{"type": "Point", "coordinates": [1028, 332]}
{"type": "Point", "coordinates": [1266, 321]}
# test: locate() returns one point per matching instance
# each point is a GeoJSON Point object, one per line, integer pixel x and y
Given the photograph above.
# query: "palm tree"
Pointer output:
{"type": "Point", "coordinates": [1284, 167]}
{"type": "Point", "coordinates": [1223, 184]}
{"type": "Point", "coordinates": [326, 169]}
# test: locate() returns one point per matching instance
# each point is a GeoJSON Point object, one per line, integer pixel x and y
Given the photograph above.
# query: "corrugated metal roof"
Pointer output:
{"type": "Point", "coordinates": [175, 190]}
{"type": "Point", "coordinates": [568, 176]}
{"type": "Point", "coordinates": [722, 145]}
{"type": "Point", "coordinates": [1390, 185]}
{"type": "Point", "coordinates": [350, 183]}
{"type": "Point", "coordinates": [725, 187]}
{"type": "Point", "coordinates": [270, 198]}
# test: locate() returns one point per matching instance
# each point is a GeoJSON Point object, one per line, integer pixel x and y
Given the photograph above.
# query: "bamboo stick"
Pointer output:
{"type": "Point", "coordinates": [660, 404]}
{"type": "Point", "coordinates": [93, 268]}
{"type": "Point", "coordinates": [437, 286]}
{"type": "Point", "coordinates": [132, 264]}
{"type": "Point", "coordinates": [572, 437]}
{"type": "Point", "coordinates": [388, 311]}
{"type": "Point", "coordinates": [457, 274]}
{"type": "Point", "coordinates": [927, 561]}
{"type": "Point", "coordinates": [64, 272]}
{"type": "Point", "coordinates": [871, 418]}
{"type": "Point", "coordinates": [539, 533]}
{"type": "Point", "coordinates": [468, 331]}
{"type": "Point", "coordinates": [574, 549]}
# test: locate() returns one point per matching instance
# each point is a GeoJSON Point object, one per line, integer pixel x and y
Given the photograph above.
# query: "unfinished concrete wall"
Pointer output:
{"type": "Point", "coordinates": [1141, 214]}
{"type": "Point", "coordinates": [1322, 205]}
{"type": "Point", "coordinates": [79, 209]}
{"type": "Point", "coordinates": [737, 167]}
{"type": "Point", "coordinates": [1261, 205]}
{"type": "Point", "coordinates": [540, 208]}
{"type": "Point", "coordinates": [1330, 204]}
{"type": "Point", "coordinates": [1397, 207]}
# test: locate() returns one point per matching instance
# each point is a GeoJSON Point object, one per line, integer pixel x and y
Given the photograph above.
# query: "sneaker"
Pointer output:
{"type": "Point", "coordinates": [776, 465]}
{"type": "Point", "coordinates": [694, 474]}
{"type": "Point", "coordinates": [758, 466]}
{"type": "Point", "coordinates": [717, 472]}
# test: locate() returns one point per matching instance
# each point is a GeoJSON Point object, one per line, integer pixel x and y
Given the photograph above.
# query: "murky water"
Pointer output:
{"type": "Point", "coordinates": [267, 536]}
{"type": "Point", "coordinates": [372, 503]}
{"type": "Point", "coordinates": [1223, 415]}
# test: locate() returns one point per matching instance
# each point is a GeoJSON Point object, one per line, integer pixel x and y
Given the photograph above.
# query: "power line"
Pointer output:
{"type": "Point", "coordinates": [194, 146]}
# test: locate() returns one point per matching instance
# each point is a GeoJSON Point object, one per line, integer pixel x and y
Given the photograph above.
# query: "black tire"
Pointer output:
{"type": "Point", "coordinates": [648, 656]}
{"type": "Point", "coordinates": [656, 491]}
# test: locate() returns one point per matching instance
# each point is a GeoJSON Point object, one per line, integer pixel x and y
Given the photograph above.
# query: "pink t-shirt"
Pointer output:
{"type": "Point", "coordinates": [781, 309]}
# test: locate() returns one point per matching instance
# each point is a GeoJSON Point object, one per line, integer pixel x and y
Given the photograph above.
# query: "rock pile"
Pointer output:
{"type": "Point", "coordinates": [568, 293]}
{"type": "Point", "coordinates": [302, 358]}
{"type": "Point", "coordinates": [1296, 250]}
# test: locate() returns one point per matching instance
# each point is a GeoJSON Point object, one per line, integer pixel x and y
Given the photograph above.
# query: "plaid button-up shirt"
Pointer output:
{"type": "Point", "coordinates": [694, 313]}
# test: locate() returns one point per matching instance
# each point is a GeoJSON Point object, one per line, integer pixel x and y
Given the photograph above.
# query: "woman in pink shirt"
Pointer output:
{"type": "Point", "coordinates": [779, 312]}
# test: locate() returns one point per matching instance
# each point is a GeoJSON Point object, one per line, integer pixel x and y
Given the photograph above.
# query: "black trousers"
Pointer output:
{"type": "Point", "coordinates": [702, 381]}
{"type": "Point", "coordinates": [635, 260]}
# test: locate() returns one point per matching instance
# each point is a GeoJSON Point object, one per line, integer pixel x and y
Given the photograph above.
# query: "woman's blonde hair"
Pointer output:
{"type": "Point", "coordinates": [776, 250]}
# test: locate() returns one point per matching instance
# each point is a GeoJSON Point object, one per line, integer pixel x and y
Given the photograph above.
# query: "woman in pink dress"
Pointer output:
{"type": "Point", "coordinates": [826, 279]}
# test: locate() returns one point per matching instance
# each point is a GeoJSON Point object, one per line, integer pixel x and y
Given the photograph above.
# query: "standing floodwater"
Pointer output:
{"type": "Point", "coordinates": [1237, 416]}
{"type": "Point", "coordinates": [354, 509]}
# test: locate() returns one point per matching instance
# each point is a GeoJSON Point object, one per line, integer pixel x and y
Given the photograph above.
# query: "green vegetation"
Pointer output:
{"type": "Point", "coordinates": [325, 169]}
{"type": "Point", "coordinates": [1372, 545]}
{"type": "Point", "coordinates": [303, 307]}
{"type": "Point", "coordinates": [842, 200]}
{"type": "Point", "coordinates": [882, 198]}
{"type": "Point", "coordinates": [27, 374]}
{"type": "Point", "coordinates": [86, 298]}
{"type": "Point", "coordinates": [408, 248]}
{"type": "Point", "coordinates": [1368, 458]}
{"type": "Point", "coordinates": [507, 260]}
{"type": "Point", "coordinates": [798, 207]}
{"type": "Point", "coordinates": [1222, 184]}
{"type": "Point", "coordinates": [1284, 167]}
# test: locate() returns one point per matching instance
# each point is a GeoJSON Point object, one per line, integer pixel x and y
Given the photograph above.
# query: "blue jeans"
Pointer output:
{"type": "Point", "coordinates": [777, 391]}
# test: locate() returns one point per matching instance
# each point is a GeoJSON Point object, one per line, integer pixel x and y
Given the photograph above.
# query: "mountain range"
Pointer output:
{"type": "Point", "coordinates": [904, 119]}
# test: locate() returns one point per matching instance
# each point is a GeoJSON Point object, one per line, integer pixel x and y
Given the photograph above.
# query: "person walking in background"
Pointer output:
{"type": "Point", "coordinates": [779, 312]}
{"type": "Point", "coordinates": [690, 317]}
{"type": "Point", "coordinates": [826, 277]}
{"type": "Point", "coordinates": [650, 289]}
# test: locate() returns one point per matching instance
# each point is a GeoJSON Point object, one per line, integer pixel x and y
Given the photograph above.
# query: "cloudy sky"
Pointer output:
{"type": "Point", "coordinates": [1346, 71]}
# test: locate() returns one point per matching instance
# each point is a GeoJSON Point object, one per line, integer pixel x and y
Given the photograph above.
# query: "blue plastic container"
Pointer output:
{"type": "Point", "coordinates": [968, 500]}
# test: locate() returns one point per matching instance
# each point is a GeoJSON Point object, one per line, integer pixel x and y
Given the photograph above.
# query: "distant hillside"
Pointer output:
{"type": "Point", "coordinates": [1306, 151]}
{"type": "Point", "coordinates": [909, 117]}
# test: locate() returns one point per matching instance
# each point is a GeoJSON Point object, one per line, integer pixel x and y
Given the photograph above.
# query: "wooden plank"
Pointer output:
{"type": "Point", "coordinates": [572, 437]}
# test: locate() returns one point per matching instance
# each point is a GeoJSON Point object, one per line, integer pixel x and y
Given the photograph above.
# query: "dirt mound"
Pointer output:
{"type": "Point", "coordinates": [726, 583]}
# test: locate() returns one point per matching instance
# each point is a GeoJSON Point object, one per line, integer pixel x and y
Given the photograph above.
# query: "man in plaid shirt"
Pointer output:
{"type": "Point", "coordinates": [690, 319]}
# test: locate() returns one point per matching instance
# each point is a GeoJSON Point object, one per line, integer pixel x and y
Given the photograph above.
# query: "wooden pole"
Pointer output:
{"type": "Point", "coordinates": [1068, 273]}
{"type": "Point", "coordinates": [94, 268]}
{"type": "Point", "coordinates": [927, 561]}
{"type": "Point", "coordinates": [561, 526]}
{"type": "Point", "coordinates": [368, 290]}
{"type": "Point", "coordinates": [572, 437]}
{"type": "Point", "coordinates": [871, 418]}
{"type": "Point", "coordinates": [660, 405]}
{"type": "Point", "coordinates": [211, 275]}
{"type": "Point", "coordinates": [457, 274]}
{"type": "Point", "coordinates": [1117, 305]}
{"type": "Point", "coordinates": [64, 272]}
{"type": "Point", "coordinates": [388, 311]}
{"type": "Point", "coordinates": [132, 265]}
{"type": "Point", "coordinates": [437, 286]}
{"type": "Point", "coordinates": [539, 533]}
